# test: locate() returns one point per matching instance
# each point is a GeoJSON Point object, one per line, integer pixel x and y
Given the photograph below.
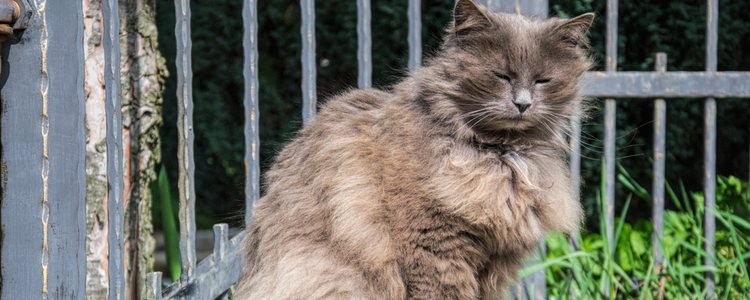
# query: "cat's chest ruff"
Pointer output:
{"type": "Point", "coordinates": [490, 185]}
{"type": "Point", "coordinates": [487, 170]}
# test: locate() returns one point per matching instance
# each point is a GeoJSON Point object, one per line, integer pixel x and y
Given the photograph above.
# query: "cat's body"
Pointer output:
{"type": "Point", "coordinates": [401, 195]}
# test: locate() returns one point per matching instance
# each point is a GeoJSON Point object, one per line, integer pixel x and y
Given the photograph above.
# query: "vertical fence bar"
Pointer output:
{"type": "Point", "coordinates": [610, 131]}
{"type": "Point", "coordinates": [538, 8]}
{"type": "Point", "coordinates": [709, 158]}
{"type": "Point", "coordinates": [221, 241]}
{"type": "Point", "coordinates": [309, 97]}
{"type": "Point", "coordinates": [67, 152]}
{"type": "Point", "coordinates": [250, 74]}
{"type": "Point", "coordinates": [657, 189]}
{"type": "Point", "coordinates": [42, 173]}
{"type": "Point", "coordinates": [364, 44]}
{"type": "Point", "coordinates": [575, 177]}
{"type": "Point", "coordinates": [610, 110]}
{"type": "Point", "coordinates": [575, 157]}
{"type": "Point", "coordinates": [415, 34]}
{"type": "Point", "coordinates": [113, 108]}
{"type": "Point", "coordinates": [186, 183]}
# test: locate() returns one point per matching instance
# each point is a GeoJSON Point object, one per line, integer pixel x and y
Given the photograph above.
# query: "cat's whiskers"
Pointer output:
{"type": "Point", "coordinates": [481, 114]}
{"type": "Point", "coordinates": [569, 148]}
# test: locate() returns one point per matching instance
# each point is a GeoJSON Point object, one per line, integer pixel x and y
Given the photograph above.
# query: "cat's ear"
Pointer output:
{"type": "Point", "coordinates": [469, 17]}
{"type": "Point", "coordinates": [573, 31]}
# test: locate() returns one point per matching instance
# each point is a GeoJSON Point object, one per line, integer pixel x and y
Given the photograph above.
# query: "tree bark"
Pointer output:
{"type": "Point", "coordinates": [143, 73]}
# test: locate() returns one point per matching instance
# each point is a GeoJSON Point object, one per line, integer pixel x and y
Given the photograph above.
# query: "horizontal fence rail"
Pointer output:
{"type": "Point", "coordinates": [667, 84]}
{"type": "Point", "coordinates": [213, 276]}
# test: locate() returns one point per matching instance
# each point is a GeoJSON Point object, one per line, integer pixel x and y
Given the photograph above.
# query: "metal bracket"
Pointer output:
{"type": "Point", "coordinates": [14, 16]}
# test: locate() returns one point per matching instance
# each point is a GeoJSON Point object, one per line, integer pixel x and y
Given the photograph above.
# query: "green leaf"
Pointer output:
{"type": "Point", "coordinates": [638, 243]}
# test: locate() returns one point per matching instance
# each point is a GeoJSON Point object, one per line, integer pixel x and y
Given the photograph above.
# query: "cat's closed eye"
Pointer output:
{"type": "Point", "coordinates": [542, 81]}
{"type": "Point", "coordinates": [502, 76]}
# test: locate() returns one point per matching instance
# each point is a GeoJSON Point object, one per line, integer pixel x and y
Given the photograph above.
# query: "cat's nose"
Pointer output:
{"type": "Point", "coordinates": [522, 101]}
{"type": "Point", "coordinates": [521, 107]}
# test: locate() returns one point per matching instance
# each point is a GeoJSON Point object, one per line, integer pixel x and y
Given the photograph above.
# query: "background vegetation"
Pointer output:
{"type": "Point", "coordinates": [631, 271]}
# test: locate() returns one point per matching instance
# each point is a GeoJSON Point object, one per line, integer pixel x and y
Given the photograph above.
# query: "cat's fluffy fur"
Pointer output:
{"type": "Point", "coordinates": [437, 189]}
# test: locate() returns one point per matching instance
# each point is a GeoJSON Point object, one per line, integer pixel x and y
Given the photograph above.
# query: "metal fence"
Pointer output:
{"type": "Point", "coordinates": [43, 143]}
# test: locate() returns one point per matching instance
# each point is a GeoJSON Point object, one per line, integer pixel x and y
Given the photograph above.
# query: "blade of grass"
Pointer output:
{"type": "Point", "coordinates": [647, 280]}
{"type": "Point", "coordinates": [733, 237]}
{"type": "Point", "coordinates": [673, 196]}
{"type": "Point", "coordinates": [171, 237]}
{"type": "Point", "coordinates": [559, 261]}
{"type": "Point", "coordinates": [628, 181]}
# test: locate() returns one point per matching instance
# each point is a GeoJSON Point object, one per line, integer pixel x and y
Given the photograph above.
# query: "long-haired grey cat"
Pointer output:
{"type": "Point", "coordinates": [438, 188]}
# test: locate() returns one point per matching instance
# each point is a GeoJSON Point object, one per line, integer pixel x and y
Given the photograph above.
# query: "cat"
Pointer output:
{"type": "Point", "coordinates": [436, 189]}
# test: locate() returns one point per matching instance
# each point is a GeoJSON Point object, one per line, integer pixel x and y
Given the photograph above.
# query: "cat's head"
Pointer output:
{"type": "Point", "coordinates": [504, 72]}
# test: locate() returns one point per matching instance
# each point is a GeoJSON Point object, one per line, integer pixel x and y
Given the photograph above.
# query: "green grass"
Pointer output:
{"type": "Point", "coordinates": [163, 197]}
{"type": "Point", "coordinates": [590, 272]}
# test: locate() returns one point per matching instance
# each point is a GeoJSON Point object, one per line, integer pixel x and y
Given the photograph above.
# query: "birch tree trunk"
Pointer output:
{"type": "Point", "coordinates": [143, 73]}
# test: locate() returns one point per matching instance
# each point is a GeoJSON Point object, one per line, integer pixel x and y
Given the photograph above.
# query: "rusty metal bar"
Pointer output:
{"type": "Point", "coordinates": [250, 74]}
{"type": "Point", "coordinates": [364, 44]}
{"type": "Point", "coordinates": [415, 33]}
{"type": "Point", "coordinates": [185, 161]}
{"type": "Point", "coordinates": [309, 92]}
{"type": "Point", "coordinates": [657, 189]}
{"type": "Point", "coordinates": [666, 84]}
{"type": "Point", "coordinates": [709, 159]}
{"type": "Point", "coordinates": [115, 208]}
